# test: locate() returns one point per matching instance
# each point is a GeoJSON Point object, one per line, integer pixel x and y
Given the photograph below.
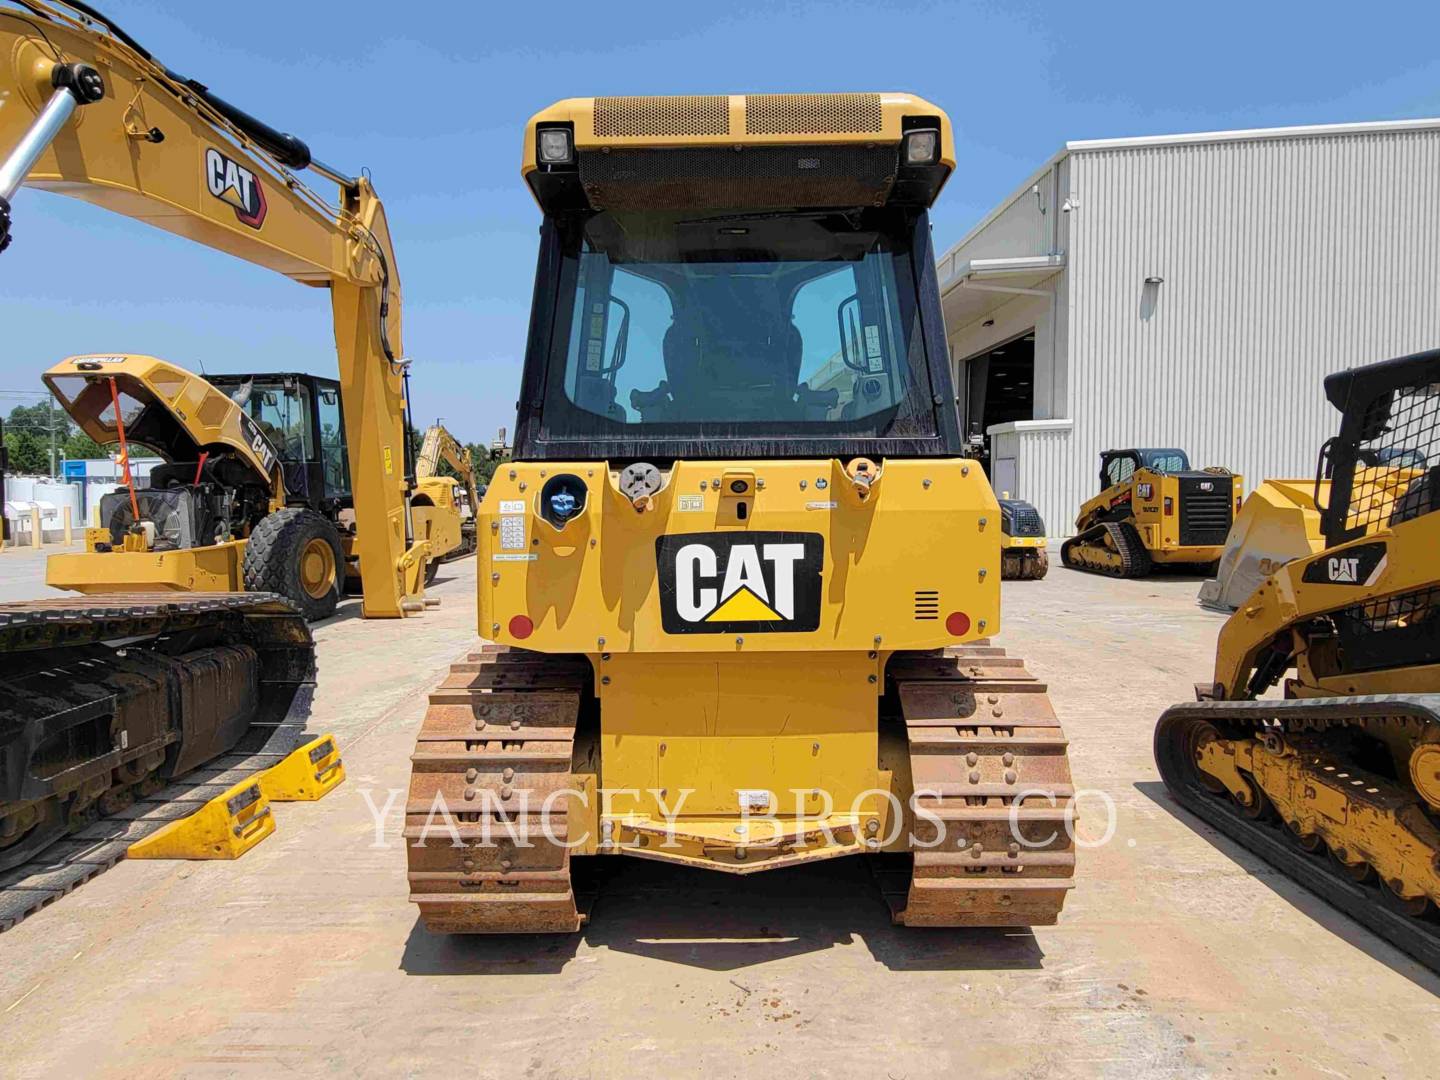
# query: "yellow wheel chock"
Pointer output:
{"type": "Point", "coordinates": [305, 774]}
{"type": "Point", "coordinates": [224, 828]}
{"type": "Point", "coordinates": [232, 823]}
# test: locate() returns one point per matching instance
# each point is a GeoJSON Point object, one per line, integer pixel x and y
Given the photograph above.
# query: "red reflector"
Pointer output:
{"type": "Point", "coordinates": [1169, 506]}
{"type": "Point", "coordinates": [957, 624]}
{"type": "Point", "coordinates": [521, 626]}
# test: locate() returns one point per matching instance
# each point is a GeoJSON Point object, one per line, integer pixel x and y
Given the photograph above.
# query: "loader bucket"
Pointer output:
{"type": "Point", "coordinates": [1278, 522]}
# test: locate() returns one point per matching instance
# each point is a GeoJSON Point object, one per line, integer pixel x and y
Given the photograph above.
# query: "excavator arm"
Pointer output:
{"type": "Point", "coordinates": [86, 111]}
{"type": "Point", "coordinates": [439, 446]}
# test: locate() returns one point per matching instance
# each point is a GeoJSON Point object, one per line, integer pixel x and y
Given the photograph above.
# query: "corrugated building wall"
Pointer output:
{"type": "Point", "coordinates": [1273, 258]}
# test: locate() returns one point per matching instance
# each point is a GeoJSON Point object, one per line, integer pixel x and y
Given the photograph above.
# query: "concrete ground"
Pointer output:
{"type": "Point", "coordinates": [1178, 954]}
{"type": "Point", "coordinates": [22, 572]}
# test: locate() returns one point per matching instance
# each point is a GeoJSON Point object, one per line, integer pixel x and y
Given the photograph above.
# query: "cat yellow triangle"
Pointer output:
{"type": "Point", "coordinates": [743, 606]}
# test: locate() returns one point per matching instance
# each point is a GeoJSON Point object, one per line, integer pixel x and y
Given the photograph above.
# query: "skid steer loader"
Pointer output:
{"type": "Point", "coordinates": [1153, 510]}
{"type": "Point", "coordinates": [738, 576]}
{"type": "Point", "coordinates": [1337, 784]}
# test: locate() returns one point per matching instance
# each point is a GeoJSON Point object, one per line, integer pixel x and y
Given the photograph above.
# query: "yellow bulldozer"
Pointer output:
{"type": "Point", "coordinates": [1153, 510]}
{"type": "Point", "coordinates": [738, 575]}
{"type": "Point", "coordinates": [1337, 782]}
{"type": "Point", "coordinates": [102, 698]}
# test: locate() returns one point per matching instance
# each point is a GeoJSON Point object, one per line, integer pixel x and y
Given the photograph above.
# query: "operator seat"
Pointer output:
{"type": "Point", "coordinates": [734, 358]}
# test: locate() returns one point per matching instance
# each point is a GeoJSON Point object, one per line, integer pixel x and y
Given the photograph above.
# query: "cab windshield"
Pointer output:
{"type": "Point", "coordinates": [737, 325]}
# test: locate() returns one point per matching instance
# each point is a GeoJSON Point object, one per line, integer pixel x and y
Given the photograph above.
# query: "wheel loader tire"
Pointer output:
{"type": "Point", "coordinates": [432, 568]}
{"type": "Point", "coordinates": [296, 552]}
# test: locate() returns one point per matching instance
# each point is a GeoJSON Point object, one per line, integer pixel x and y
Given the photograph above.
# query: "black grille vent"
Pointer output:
{"type": "Point", "coordinates": [1205, 515]}
{"type": "Point", "coordinates": [927, 605]}
{"type": "Point", "coordinates": [759, 177]}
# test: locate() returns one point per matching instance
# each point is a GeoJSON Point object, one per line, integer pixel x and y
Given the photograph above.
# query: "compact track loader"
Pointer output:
{"type": "Point", "coordinates": [738, 576]}
{"type": "Point", "coordinates": [1337, 784]}
{"type": "Point", "coordinates": [1153, 510]}
{"type": "Point", "coordinates": [103, 698]}
{"type": "Point", "coordinates": [1022, 541]}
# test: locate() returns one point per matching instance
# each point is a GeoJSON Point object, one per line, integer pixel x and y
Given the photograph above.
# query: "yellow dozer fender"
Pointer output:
{"type": "Point", "coordinates": [1277, 523]}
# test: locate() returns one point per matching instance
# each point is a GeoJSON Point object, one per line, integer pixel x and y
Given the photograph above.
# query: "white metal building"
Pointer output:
{"type": "Point", "coordinates": [1190, 291]}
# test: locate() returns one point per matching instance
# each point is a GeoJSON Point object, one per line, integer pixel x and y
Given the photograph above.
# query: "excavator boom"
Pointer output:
{"type": "Point", "coordinates": [129, 691]}
{"type": "Point", "coordinates": [92, 115]}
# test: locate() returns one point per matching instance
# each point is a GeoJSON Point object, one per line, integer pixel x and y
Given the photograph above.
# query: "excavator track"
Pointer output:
{"type": "Point", "coordinates": [1112, 548]}
{"type": "Point", "coordinates": [988, 760]}
{"type": "Point", "coordinates": [486, 821]}
{"type": "Point", "coordinates": [105, 702]}
{"type": "Point", "coordinates": [1303, 860]}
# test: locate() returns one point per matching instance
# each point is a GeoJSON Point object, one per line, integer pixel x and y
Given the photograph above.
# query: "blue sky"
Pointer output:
{"type": "Point", "coordinates": [433, 99]}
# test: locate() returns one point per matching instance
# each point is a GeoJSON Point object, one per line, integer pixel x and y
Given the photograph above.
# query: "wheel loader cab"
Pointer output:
{"type": "Point", "coordinates": [300, 416]}
{"type": "Point", "coordinates": [737, 530]}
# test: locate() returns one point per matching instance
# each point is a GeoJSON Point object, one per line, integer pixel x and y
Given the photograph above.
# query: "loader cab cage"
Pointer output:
{"type": "Point", "coordinates": [663, 334]}
{"type": "Point", "coordinates": [1384, 466]}
{"type": "Point", "coordinates": [1117, 466]}
{"type": "Point", "coordinates": [300, 415]}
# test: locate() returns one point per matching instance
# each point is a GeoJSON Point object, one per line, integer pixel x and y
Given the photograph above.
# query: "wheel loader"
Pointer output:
{"type": "Point", "coordinates": [1022, 541]}
{"type": "Point", "coordinates": [737, 579]}
{"type": "Point", "coordinates": [1153, 510]}
{"type": "Point", "coordinates": [254, 494]}
{"type": "Point", "coordinates": [1336, 782]}
{"type": "Point", "coordinates": [102, 698]}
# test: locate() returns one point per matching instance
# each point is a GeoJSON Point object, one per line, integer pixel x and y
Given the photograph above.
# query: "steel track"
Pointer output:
{"type": "Point", "coordinates": [1418, 938]}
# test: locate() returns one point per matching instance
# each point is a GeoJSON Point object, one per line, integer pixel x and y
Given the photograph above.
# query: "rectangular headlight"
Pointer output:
{"type": "Point", "coordinates": [922, 147]}
{"type": "Point", "coordinates": [555, 147]}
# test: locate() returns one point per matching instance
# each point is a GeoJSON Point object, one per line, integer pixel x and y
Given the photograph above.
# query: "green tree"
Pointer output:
{"type": "Point", "coordinates": [78, 446]}
{"type": "Point", "coordinates": [35, 419]}
{"type": "Point", "coordinates": [28, 454]}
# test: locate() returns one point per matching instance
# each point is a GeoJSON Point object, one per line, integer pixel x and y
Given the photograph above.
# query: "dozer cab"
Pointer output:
{"type": "Point", "coordinates": [1337, 784]}
{"type": "Point", "coordinates": [1022, 541]}
{"type": "Point", "coordinates": [738, 576]}
{"type": "Point", "coordinates": [1153, 510]}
